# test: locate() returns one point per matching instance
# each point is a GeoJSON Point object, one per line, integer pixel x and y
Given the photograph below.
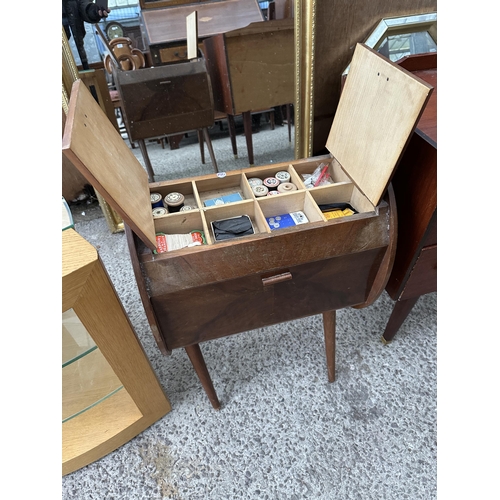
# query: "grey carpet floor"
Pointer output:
{"type": "Point", "coordinates": [283, 431]}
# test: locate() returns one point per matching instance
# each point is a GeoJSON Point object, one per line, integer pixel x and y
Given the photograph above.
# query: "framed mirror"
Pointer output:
{"type": "Point", "coordinates": [398, 37]}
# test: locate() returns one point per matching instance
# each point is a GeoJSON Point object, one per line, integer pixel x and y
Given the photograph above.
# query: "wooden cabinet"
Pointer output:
{"type": "Point", "coordinates": [415, 187]}
{"type": "Point", "coordinates": [252, 69]}
{"type": "Point", "coordinates": [109, 390]}
{"type": "Point", "coordinates": [203, 292]}
{"type": "Point", "coordinates": [164, 29]}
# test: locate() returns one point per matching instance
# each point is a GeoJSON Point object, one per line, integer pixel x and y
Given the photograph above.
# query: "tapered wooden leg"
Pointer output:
{"type": "Point", "coordinates": [289, 121]}
{"type": "Point", "coordinates": [196, 357]}
{"type": "Point", "coordinates": [329, 329]}
{"type": "Point", "coordinates": [401, 310]}
{"type": "Point", "coordinates": [232, 134]}
{"type": "Point", "coordinates": [147, 162]}
{"type": "Point", "coordinates": [202, 146]}
{"type": "Point", "coordinates": [210, 148]}
{"type": "Point", "coordinates": [247, 125]}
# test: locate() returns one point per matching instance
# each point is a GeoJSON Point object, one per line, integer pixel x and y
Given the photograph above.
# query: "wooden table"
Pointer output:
{"type": "Point", "coordinates": [415, 186]}
{"type": "Point", "coordinates": [164, 29]}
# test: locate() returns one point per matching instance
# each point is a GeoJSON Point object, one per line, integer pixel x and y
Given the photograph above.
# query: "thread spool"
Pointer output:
{"type": "Point", "coordinates": [260, 190]}
{"type": "Point", "coordinates": [186, 208]}
{"type": "Point", "coordinates": [156, 200]}
{"type": "Point", "coordinates": [287, 187]}
{"type": "Point", "coordinates": [271, 182]}
{"type": "Point", "coordinates": [273, 192]}
{"type": "Point", "coordinates": [159, 212]}
{"type": "Point", "coordinates": [173, 202]}
{"type": "Point", "coordinates": [282, 176]}
{"type": "Point", "coordinates": [255, 181]}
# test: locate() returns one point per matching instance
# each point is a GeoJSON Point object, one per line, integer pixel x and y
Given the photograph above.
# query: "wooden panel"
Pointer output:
{"type": "Point", "coordinates": [169, 24]}
{"type": "Point", "coordinates": [94, 146]}
{"type": "Point", "coordinates": [338, 27]}
{"type": "Point", "coordinates": [378, 110]}
{"type": "Point", "coordinates": [261, 65]}
{"type": "Point", "coordinates": [78, 260]}
{"type": "Point", "coordinates": [99, 431]}
{"type": "Point", "coordinates": [415, 187]}
{"type": "Point", "coordinates": [423, 277]}
{"type": "Point", "coordinates": [218, 69]}
{"type": "Point", "coordinates": [244, 304]}
{"type": "Point", "coordinates": [223, 261]}
{"type": "Point", "coordinates": [166, 99]}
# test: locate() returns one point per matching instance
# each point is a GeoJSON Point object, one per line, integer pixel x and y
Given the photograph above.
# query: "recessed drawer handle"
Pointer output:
{"type": "Point", "coordinates": [278, 278]}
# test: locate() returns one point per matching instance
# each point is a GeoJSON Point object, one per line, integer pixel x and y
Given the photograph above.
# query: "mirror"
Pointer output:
{"type": "Point", "coordinates": [398, 37]}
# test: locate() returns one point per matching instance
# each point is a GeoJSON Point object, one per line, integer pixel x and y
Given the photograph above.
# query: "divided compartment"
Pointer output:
{"type": "Point", "coordinates": [343, 190]}
{"type": "Point", "coordinates": [186, 188]}
{"type": "Point", "coordinates": [334, 169]}
{"type": "Point", "coordinates": [230, 210]}
{"type": "Point", "coordinates": [182, 223]}
{"type": "Point", "coordinates": [217, 187]}
{"type": "Point", "coordinates": [271, 171]}
{"type": "Point", "coordinates": [286, 203]}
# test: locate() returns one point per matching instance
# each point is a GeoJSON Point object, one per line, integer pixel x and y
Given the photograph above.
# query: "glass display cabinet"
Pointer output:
{"type": "Point", "coordinates": [110, 392]}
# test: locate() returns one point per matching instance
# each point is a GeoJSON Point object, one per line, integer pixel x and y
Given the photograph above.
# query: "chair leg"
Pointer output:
{"type": "Point", "coordinates": [196, 357]}
{"type": "Point", "coordinates": [329, 323]}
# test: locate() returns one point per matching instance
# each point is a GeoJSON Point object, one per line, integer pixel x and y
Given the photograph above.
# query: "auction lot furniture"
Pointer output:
{"type": "Point", "coordinates": [110, 393]}
{"type": "Point", "coordinates": [200, 293]}
{"type": "Point", "coordinates": [251, 69]}
{"type": "Point", "coordinates": [164, 29]}
{"type": "Point", "coordinates": [415, 187]}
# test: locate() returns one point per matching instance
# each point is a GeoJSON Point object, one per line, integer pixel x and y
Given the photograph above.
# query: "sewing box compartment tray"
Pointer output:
{"type": "Point", "coordinates": [219, 288]}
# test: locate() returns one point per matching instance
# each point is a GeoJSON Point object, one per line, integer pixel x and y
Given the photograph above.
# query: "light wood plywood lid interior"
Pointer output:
{"type": "Point", "coordinates": [378, 109]}
{"type": "Point", "coordinates": [97, 150]}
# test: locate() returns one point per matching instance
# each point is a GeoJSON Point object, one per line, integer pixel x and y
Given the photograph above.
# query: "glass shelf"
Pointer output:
{"type": "Point", "coordinates": [87, 378]}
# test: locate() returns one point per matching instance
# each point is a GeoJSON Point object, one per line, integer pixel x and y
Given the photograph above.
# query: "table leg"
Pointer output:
{"type": "Point", "coordinates": [329, 318]}
{"type": "Point", "coordinates": [202, 146]}
{"type": "Point", "coordinates": [196, 357]}
{"type": "Point", "coordinates": [232, 134]}
{"type": "Point", "coordinates": [210, 148]}
{"type": "Point", "coordinates": [147, 162]}
{"type": "Point", "coordinates": [401, 310]}
{"type": "Point", "coordinates": [247, 125]}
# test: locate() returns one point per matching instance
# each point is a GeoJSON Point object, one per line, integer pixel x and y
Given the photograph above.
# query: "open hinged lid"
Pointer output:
{"type": "Point", "coordinates": [378, 110]}
{"type": "Point", "coordinates": [97, 150]}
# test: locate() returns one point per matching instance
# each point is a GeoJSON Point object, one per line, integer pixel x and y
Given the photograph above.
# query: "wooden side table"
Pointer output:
{"type": "Point", "coordinates": [110, 392]}
{"type": "Point", "coordinates": [415, 187]}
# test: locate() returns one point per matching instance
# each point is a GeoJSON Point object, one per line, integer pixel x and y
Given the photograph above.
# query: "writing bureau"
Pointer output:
{"type": "Point", "coordinates": [164, 29]}
{"type": "Point", "coordinates": [197, 294]}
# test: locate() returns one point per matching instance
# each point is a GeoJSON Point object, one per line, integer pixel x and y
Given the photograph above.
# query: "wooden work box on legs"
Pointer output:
{"type": "Point", "coordinates": [166, 100]}
{"type": "Point", "coordinates": [197, 294]}
{"type": "Point", "coordinates": [252, 69]}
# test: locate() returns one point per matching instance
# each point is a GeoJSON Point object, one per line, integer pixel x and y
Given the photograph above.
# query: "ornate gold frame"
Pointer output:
{"type": "Point", "coordinates": [70, 74]}
{"type": "Point", "coordinates": [305, 32]}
